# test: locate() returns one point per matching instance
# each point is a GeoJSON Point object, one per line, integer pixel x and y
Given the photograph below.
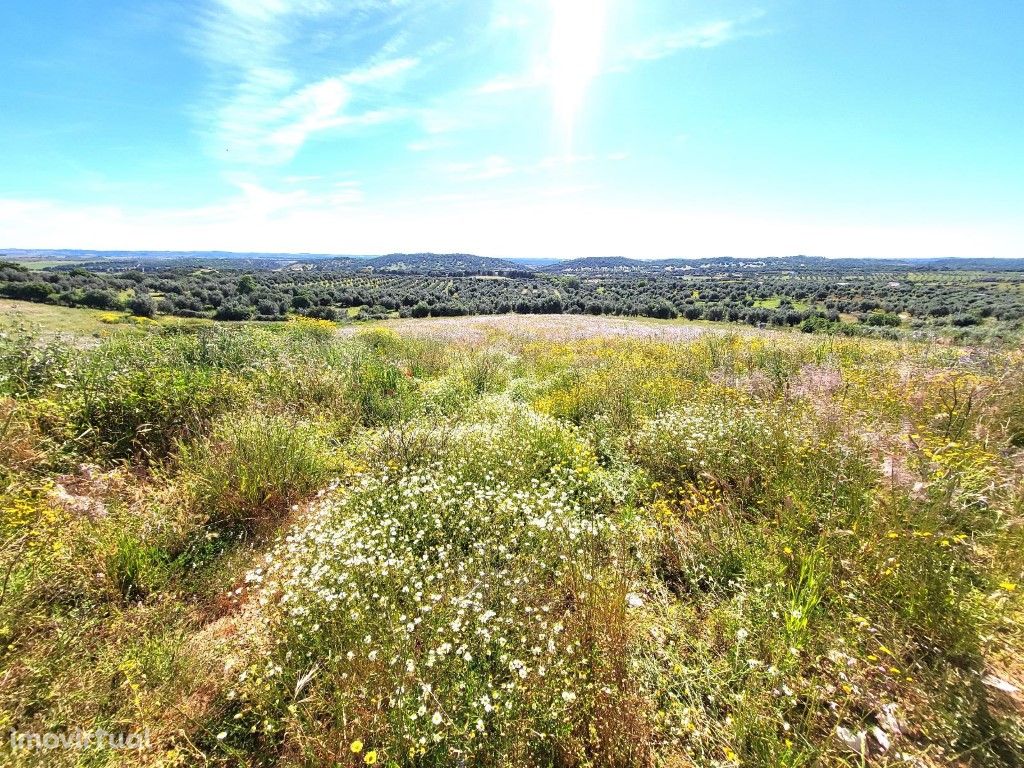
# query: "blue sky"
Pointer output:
{"type": "Point", "coordinates": [645, 128]}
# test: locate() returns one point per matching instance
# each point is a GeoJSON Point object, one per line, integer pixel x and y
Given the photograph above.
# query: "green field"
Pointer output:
{"type": "Point", "coordinates": [73, 320]}
{"type": "Point", "coordinates": [510, 541]}
{"type": "Point", "coordinates": [58, 319]}
{"type": "Point", "coordinates": [39, 263]}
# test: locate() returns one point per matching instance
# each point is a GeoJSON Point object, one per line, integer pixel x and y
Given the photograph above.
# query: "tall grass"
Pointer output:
{"type": "Point", "coordinates": [289, 548]}
{"type": "Point", "coordinates": [253, 467]}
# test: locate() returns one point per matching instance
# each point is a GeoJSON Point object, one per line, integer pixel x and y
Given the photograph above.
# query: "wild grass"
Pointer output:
{"type": "Point", "coordinates": [79, 321]}
{"type": "Point", "coordinates": [253, 467]}
{"type": "Point", "coordinates": [291, 548]}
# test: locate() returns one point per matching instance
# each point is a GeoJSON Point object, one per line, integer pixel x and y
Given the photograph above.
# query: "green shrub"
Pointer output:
{"type": "Point", "coordinates": [253, 467]}
{"type": "Point", "coordinates": [141, 304]}
{"type": "Point", "coordinates": [133, 566]}
{"type": "Point", "coordinates": [881, 319]}
{"type": "Point", "coordinates": [142, 413]}
{"type": "Point", "coordinates": [383, 341]}
{"type": "Point", "coordinates": [29, 364]}
{"type": "Point", "coordinates": [736, 449]}
{"type": "Point", "coordinates": [382, 391]}
{"type": "Point", "coordinates": [136, 395]}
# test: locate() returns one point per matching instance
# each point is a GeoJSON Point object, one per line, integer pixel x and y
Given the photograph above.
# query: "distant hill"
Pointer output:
{"type": "Point", "coordinates": [441, 262]}
{"type": "Point", "coordinates": [535, 263]}
{"type": "Point", "coordinates": [419, 263]}
{"type": "Point", "coordinates": [468, 264]}
{"type": "Point", "coordinates": [621, 264]}
{"type": "Point", "coordinates": [597, 264]}
{"type": "Point", "coordinates": [704, 266]}
{"type": "Point", "coordinates": [72, 255]}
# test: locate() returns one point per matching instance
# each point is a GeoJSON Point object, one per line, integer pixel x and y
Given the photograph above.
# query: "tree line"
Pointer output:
{"type": "Point", "coordinates": [816, 301]}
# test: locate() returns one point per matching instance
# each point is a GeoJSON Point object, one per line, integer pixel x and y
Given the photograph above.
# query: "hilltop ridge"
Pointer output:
{"type": "Point", "coordinates": [468, 263]}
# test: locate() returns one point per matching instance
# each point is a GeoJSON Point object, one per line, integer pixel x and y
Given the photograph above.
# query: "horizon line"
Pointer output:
{"type": "Point", "coordinates": [314, 254]}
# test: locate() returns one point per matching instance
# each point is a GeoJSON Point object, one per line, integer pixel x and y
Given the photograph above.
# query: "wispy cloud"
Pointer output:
{"type": "Point", "coordinates": [536, 78]}
{"type": "Point", "coordinates": [257, 201]}
{"type": "Point", "coordinates": [707, 35]}
{"type": "Point", "coordinates": [499, 166]}
{"type": "Point", "coordinates": [430, 144]}
{"type": "Point", "coordinates": [265, 101]}
{"type": "Point", "coordinates": [267, 106]}
{"type": "Point", "coordinates": [493, 167]}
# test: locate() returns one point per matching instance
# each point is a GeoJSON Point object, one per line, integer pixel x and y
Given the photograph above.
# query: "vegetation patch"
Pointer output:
{"type": "Point", "coordinates": [277, 545]}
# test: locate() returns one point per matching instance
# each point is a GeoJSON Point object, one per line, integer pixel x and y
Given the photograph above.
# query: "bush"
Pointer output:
{"type": "Point", "coordinates": [964, 320]}
{"type": "Point", "coordinates": [268, 308]}
{"type": "Point", "coordinates": [142, 305]}
{"type": "Point", "coordinates": [136, 395]}
{"type": "Point", "coordinates": [382, 391]}
{"type": "Point", "coordinates": [99, 299]}
{"type": "Point", "coordinates": [732, 450]}
{"type": "Point", "coordinates": [881, 319]}
{"type": "Point", "coordinates": [253, 468]}
{"type": "Point", "coordinates": [234, 310]}
{"type": "Point", "coordinates": [322, 313]}
{"type": "Point", "coordinates": [30, 364]}
{"type": "Point", "coordinates": [135, 567]}
{"type": "Point", "coordinates": [28, 291]}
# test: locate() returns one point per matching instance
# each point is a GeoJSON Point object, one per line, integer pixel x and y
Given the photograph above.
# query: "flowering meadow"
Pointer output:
{"type": "Point", "coordinates": [291, 547]}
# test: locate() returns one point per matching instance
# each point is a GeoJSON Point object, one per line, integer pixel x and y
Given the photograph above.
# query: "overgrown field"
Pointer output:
{"type": "Point", "coordinates": [293, 548]}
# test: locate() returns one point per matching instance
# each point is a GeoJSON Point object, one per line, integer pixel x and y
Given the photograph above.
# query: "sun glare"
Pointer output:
{"type": "Point", "coordinates": [577, 32]}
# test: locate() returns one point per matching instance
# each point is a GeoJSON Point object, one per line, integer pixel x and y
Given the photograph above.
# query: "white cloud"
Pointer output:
{"type": "Point", "coordinates": [498, 166]}
{"type": "Point", "coordinates": [568, 191]}
{"type": "Point", "coordinates": [381, 71]}
{"type": "Point", "coordinates": [575, 53]}
{"type": "Point", "coordinates": [268, 122]}
{"type": "Point", "coordinates": [508, 19]}
{"type": "Point", "coordinates": [708, 35]}
{"type": "Point", "coordinates": [262, 107]}
{"type": "Point", "coordinates": [431, 144]}
{"type": "Point", "coordinates": [492, 167]}
{"type": "Point", "coordinates": [537, 78]}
